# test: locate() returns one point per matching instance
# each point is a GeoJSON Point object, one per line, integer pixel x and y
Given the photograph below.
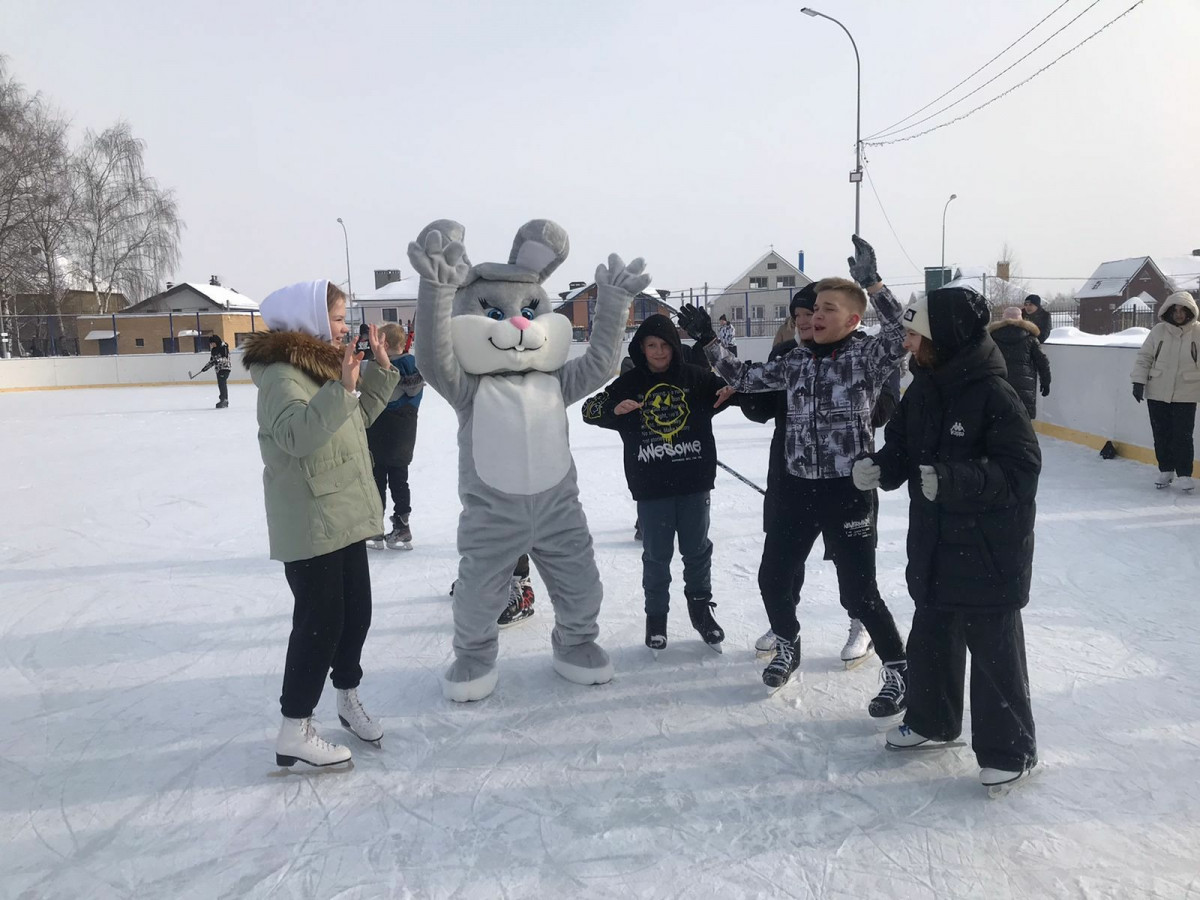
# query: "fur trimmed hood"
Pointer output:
{"type": "Point", "coordinates": [319, 360]}
{"type": "Point", "coordinates": [1014, 323]}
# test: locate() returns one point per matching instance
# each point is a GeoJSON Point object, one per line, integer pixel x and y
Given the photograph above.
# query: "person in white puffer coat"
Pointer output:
{"type": "Point", "coordinates": [1167, 375]}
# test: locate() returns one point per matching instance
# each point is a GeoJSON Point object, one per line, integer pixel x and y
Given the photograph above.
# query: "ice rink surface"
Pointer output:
{"type": "Point", "coordinates": [143, 631]}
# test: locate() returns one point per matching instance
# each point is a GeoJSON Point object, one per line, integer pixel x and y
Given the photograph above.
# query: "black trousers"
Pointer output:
{"type": "Point", "coordinates": [397, 478]}
{"type": "Point", "coordinates": [844, 515]}
{"type": "Point", "coordinates": [222, 387]}
{"type": "Point", "coordinates": [1002, 733]}
{"type": "Point", "coordinates": [329, 626]}
{"type": "Point", "coordinates": [1172, 425]}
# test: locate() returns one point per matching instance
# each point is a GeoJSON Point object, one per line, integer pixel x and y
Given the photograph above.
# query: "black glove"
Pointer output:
{"type": "Point", "coordinates": [1139, 391]}
{"type": "Point", "coordinates": [862, 263]}
{"type": "Point", "coordinates": [1045, 390]}
{"type": "Point", "coordinates": [696, 323]}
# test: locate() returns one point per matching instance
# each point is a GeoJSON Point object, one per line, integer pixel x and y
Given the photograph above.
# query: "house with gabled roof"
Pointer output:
{"type": "Point", "coordinates": [1112, 284]}
{"type": "Point", "coordinates": [579, 305]}
{"type": "Point", "coordinates": [756, 302]}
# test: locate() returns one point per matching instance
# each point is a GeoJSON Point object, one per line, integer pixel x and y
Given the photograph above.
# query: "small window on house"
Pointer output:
{"type": "Point", "coordinates": [781, 312]}
{"type": "Point", "coordinates": [738, 314]}
{"type": "Point", "coordinates": [772, 265]}
{"type": "Point", "coordinates": [757, 283]}
{"type": "Point", "coordinates": [785, 281]}
{"type": "Point", "coordinates": [758, 312]}
{"type": "Point", "coordinates": [241, 337]}
{"type": "Point", "coordinates": [139, 342]}
{"type": "Point", "coordinates": [389, 315]}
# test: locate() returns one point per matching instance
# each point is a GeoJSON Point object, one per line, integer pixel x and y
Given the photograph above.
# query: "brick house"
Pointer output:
{"type": "Point", "coordinates": [178, 320]}
{"type": "Point", "coordinates": [1115, 282]}
{"type": "Point", "coordinates": [579, 305]}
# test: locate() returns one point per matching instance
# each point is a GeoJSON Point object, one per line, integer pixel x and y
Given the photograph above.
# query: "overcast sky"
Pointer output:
{"type": "Point", "coordinates": [695, 133]}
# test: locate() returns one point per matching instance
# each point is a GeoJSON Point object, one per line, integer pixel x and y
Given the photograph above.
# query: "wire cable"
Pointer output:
{"type": "Point", "coordinates": [969, 77]}
{"type": "Point", "coordinates": [971, 112]}
{"type": "Point", "coordinates": [871, 182]}
{"type": "Point", "coordinates": [1004, 71]}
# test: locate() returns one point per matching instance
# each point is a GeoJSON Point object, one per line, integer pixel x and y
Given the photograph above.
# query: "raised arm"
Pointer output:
{"type": "Point", "coordinates": [616, 286]}
{"type": "Point", "coordinates": [440, 259]}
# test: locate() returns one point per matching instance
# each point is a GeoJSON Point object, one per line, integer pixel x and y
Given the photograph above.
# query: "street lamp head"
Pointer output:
{"type": "Point", "coordinates": [810, 12]}
{"type": "Point", "coordinates": [952, 197]}
{"type": "Point", "coordinates": [340, 222]}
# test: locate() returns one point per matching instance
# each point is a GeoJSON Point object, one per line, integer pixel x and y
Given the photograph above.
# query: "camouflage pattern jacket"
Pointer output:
{"type": "Point", "coordinates": [830, 394]}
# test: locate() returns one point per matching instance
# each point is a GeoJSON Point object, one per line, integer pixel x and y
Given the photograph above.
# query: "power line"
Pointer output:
{"type": "Point", "coordinates": [871, 182]}
{"type": "Point", "coordinates": [971, 93]}
{"type": "Point", "coordinates": [1007, 92]}
{"type": "Point", "coordinates": [972, 75]}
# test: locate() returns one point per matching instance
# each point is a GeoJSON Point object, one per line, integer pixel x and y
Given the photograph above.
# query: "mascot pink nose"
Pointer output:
{"type": "Point", "coordinates": [521, 322]}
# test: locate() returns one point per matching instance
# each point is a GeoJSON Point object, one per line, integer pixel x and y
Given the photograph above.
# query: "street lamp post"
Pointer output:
{"type": "Point", "coordinates": [944, 208]}
{"type": "Point", "coordinates": [349, 283]}
{"type": "Point", "coordinates": [857, 174]}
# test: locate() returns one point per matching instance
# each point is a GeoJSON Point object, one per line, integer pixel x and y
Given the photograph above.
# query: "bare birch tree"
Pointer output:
{"type": "Point", "coordinates": [126, 235]}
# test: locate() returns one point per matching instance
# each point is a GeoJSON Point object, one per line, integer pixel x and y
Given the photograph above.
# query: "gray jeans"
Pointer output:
{"type": "Point", "coordinates": [661, 520]}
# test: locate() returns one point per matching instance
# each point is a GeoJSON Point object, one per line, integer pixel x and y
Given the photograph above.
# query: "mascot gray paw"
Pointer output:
{"type": "Point", "coordinates": [584, 664]}
{"type": "Point", "coordinates": [468, 680]}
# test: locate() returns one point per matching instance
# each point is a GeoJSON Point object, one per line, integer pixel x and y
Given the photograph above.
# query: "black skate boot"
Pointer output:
{"type": "Point", "coordinates": [890, 701]}
{"type": "Point", "coordinates": [700, 607]}
{"type": "Point", "coordinates": [520, 602]}
{"type": "Point", "coordinates": [656, 632]}
{"type": "Point", "coordinates": [400, 537]}
{"type": "Point", "coordinates": [787, 659]}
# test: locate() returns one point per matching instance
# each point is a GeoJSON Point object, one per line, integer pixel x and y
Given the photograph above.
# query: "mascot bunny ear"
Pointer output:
{"type": "Point", "coordinates": [540, 246]}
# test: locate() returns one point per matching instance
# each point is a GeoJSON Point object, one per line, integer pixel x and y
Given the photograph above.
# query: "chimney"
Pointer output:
{"type": "Point", "coordinates": [800, 266]}
{"type": "Point", "coordinates": [576, 284]}
{"type": "Point", "coordinates": [1002, 268]}
{"type": "Point", "coordinates": [214, 280]}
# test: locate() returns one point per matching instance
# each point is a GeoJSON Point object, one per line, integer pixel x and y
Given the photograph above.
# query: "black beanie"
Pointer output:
{"type": "Point", "coordinates": [805, 298]}
{"type": "Point", "coordinates": [1034, 299]}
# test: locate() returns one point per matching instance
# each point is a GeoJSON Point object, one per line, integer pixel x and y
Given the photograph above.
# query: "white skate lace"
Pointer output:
{"type": "Point", "coordinates": [311, 736]}
{"type": "Point", "coordinates": [355, 708]}
{"type": "Point", "coordinates": [893, 683]}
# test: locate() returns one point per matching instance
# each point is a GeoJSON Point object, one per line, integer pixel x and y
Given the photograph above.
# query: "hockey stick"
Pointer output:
{"type": "Point", "coordinates": [190, 375]}
{"type": "Point", "coordinates": [742, 478]}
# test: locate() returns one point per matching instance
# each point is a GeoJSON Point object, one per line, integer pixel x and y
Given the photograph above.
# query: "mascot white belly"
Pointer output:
{"type": "Point", "coordinates": [519, 433]}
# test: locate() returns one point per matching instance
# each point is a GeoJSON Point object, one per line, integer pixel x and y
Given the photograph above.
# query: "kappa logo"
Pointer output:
{"type": "Point", "coordinates": [957, 430]}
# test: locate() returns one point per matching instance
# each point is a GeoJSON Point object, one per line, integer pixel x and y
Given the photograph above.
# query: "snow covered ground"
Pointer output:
{"type": "Point", "coordinates": [143, 631]}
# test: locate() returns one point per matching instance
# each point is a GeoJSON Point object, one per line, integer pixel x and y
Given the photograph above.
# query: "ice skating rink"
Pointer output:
{"type": "Point", "coordinates": [143, 631]}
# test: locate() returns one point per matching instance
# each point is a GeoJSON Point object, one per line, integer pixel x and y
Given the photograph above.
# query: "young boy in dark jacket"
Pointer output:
{"type": "Point", "coordinates": [218, 355]}
{"type": "Point", "coordinates": [962, 440]}
{"type": "Point", "coordinates": [663, 409]}
{"type": "Point", "coordinates": [831, 391]}
{"type": "Point", "coordinates": [1024, 357]}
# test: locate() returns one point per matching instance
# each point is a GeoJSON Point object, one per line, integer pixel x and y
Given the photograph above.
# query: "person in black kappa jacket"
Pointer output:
{"type": "Point", "coordinates": [1024, 357]}
{"type": "Point", "coordinates": [962, 440]}
{"type": "Point", "coordinates": [663, 408]}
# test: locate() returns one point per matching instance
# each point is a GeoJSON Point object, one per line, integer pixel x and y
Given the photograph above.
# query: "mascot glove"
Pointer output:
{"type": "Point", "coordinates": [929, 483]}
{"type": "Point", "coordinates": [697, 323]}
{"type": "Point", "coordinates": [862, 264]}
{"type": "Point", "coordinates": [632, 279]}
{"type": "Point", "coordinates": [440, 260]}
{"type": "Point", "coordinates": [865, 474]}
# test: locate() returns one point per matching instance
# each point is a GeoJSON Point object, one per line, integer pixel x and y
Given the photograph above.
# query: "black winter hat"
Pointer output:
{"type": "Point", "coordinates": [957, 316]}
{"type": "Point", "coordinates": [1034, 299]}
{"type": "Point", "coordinates": [658, 326]}
{"type": "Point", "coordinates": [805, 298]}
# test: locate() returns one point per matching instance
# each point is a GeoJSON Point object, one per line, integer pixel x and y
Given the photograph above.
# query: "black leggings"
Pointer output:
{"type": "Point", "coordinates": [329, 626]}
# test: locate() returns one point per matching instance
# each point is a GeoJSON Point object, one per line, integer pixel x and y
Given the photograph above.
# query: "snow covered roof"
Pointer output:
{"type": "Point", "coordinates": [1143, 302]}
{"type": "Point", "coordinates": [392, 292]}
{"type": "Point", "coordinates": [575, 292]}
{"type": "Point", "coordinates": [1130, 337]}
{"type": "Point", "coordinates": [1111, 278]}
{"type": "Point", "coordinates": [1184, 271]}
{"type": "Point", "coordinates": [223, 296]}
{"type": "Point", "coordinates": [101, 335]}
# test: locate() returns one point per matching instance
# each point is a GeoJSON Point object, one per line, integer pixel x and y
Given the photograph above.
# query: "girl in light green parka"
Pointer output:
{"type": "Point", "coordinates": [314, 406]}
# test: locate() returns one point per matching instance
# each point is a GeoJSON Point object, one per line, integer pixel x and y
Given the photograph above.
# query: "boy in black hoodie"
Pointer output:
{"type": "Point", "coordinates": [962, 440]}
{"type": "Point", "coordinates": [663, 409]}
{"type": "Point", "coordinates": [219, 356]}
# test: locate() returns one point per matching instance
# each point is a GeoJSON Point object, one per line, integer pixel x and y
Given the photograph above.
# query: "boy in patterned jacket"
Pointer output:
{"type": "Point", "coordinates": [831, 388]}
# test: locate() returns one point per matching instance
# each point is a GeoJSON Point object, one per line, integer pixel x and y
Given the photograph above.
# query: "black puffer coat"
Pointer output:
{"type": "Point", "coordinates": [970, 548]}
{"type": "Point", "coordinates": [763, 408]}
{"type": "Point", "coordinates": [1040, 319]}
{"type": "Point", "coordinates": [1023, 355]}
